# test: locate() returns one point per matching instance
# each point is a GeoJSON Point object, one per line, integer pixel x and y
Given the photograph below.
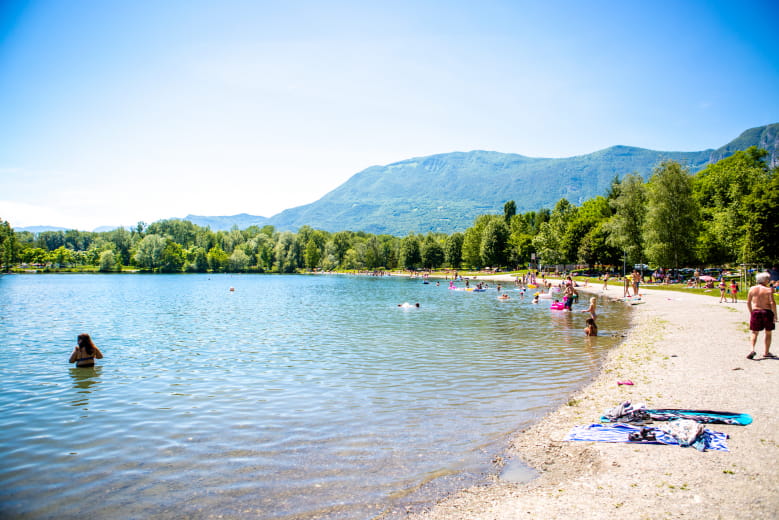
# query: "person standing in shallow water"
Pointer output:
{"type": "Point", "coordinates": [85, 353]}
{"type": "Point", "coordinates": [762, 312]}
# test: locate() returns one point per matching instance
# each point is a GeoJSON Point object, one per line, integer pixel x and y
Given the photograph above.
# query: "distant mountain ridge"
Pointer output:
{"type": "Point", "coordinates": [445, 192]}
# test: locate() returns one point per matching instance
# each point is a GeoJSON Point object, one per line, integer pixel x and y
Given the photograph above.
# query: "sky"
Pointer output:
{"type": "Point", "coordinates": [115, 112]}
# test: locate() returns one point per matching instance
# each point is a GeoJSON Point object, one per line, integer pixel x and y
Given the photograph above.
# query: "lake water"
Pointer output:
{"type": "Point", "coordinates": [289, 397]}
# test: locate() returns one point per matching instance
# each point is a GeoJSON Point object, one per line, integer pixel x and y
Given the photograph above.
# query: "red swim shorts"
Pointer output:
{"type": "Point", "coordinates": [761, 319]}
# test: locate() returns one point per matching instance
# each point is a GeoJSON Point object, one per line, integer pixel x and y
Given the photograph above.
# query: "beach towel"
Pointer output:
{"type": "Point", "coordinates": [704, 439]}
{"type": "Point", "coordinates": [626, 413]}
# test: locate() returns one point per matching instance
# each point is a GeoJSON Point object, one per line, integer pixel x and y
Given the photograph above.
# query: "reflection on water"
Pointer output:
{"type": "Point", "coordinates": [84, 379]}
{"type": "Point", "coordinates": [288, 397]}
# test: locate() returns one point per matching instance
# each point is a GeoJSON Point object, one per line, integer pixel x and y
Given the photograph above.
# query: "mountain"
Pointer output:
{"type": "Point", "coordinates": [444, 193]}
{"type": "Point", "coordinates": [242, 220]}
{"type": "Point", "coordinates": [40, 229]}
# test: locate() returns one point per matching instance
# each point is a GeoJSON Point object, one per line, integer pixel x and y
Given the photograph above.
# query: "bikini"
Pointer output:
{"type": "Point", "coordinates": [92, 359]}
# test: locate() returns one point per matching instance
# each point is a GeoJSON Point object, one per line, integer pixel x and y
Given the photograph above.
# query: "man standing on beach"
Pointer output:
{"type": "Point", "coordinates": [762, 312]}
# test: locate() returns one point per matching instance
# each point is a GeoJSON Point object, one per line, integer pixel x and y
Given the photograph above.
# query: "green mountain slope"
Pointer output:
{"type": "Point", "coordinates": [444, 193]}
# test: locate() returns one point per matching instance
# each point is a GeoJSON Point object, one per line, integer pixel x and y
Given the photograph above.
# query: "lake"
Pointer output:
{"type": "Point", "coordinates": [291, 396]}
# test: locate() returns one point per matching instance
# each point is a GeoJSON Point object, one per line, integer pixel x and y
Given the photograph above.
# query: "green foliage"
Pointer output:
{"type": "Point", "coordinates": [725, 191]}
{"type": "Point", "coordinates": [725, 214]}
{"type": "Point", "coordinates": [494, 242]}
{"type": "Point", "coordinates": [453, 250]}
{"type": "Point", "coordinates": [410, 253]}
{"type": "Point", "coordinates": [431, 252]}
{"type": "Point", "coordinates": [148, 254]}
{"type": "Point", "coordinates": [107, 261]}
{"type": "Point", "coordinates": [625, 228]}
{"type": "Point", "coordinates": [671, 225]}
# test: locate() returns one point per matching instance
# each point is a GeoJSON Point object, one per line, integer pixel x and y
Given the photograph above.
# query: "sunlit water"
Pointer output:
{"type": "Point", "coordinates": [289, 397]}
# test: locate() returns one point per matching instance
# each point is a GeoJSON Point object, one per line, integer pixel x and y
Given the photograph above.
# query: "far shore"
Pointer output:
{"type": "Point", "coordinates": [684, 351]}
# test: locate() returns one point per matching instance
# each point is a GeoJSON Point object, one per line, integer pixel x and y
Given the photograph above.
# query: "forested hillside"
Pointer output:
{"type": "Point", "coordinates": [724, 214]}
{"type": "Point", "coordinates": [444, 193]}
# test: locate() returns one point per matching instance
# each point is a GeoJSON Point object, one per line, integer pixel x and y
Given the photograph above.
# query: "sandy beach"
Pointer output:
{"type": "Point", "coordinates": [683, 351]}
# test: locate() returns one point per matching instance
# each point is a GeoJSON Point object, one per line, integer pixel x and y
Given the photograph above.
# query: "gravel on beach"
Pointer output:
{"type": "Point", "coordinates": [683, 351]}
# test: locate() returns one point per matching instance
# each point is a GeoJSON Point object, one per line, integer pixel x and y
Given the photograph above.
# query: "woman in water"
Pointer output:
{"type": "Point", "coordinates": [85, 353]}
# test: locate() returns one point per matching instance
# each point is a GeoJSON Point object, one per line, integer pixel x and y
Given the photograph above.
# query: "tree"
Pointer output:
{"type": "Point", "coordinates": [410, 255]}
{"type": "Point", "coordinates": [61, 256]}
{"type": "Point", "coordinates": [549, 241]}
{"type": "Point", "coordinates": [148, 254]}
{"type": "Point", "coordinates": [671, 226]}
{"type": "Point", "coordinates": [217, 259]}
{"type": "Point", "coordinates": [7, 245]}
{"type": "Point", "coordinates": [173, 258]}
{"type": "Point", "coordinates": [312, 254]}
{"type": "Point", "coordinates": [107, 261]}
{"type": "Point", "coordinates": [494, 241]}
{"type": "Point", "coordinates": [197, 260]}
{"type": "Point", "coordinates": [724, 191]}
{"type": "Point", "coordinates": [432, 253]}
{"type": "Point", "coordinates": [453, 250]}
{"type": "Point", "coordinates": [238, 262]}
{"type": "Point", "coordinates": [509, 210]}
{"type": "Point", "coordinates": [763, 226]}
{"type": "Point", "coordinates": [625, 228]}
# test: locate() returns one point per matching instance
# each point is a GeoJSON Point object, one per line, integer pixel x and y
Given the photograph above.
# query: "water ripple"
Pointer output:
{"type": "Point", "coordinates": [291, 397]}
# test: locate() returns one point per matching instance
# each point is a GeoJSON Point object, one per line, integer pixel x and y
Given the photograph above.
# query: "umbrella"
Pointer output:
{"type": "Point", "coordinates": [707, 278]}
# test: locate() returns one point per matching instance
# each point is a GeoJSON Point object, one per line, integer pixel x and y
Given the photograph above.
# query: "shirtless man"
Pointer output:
{"type": "Point", "coordinates": [762, 312]}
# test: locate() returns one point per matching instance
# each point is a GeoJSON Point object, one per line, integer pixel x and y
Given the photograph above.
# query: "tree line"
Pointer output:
{"type": "Point", "coordinates": [725, 214]}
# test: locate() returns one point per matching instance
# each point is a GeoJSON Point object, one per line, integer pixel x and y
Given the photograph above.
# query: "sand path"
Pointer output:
{"type": "Point", "coordinates": [684, 351]}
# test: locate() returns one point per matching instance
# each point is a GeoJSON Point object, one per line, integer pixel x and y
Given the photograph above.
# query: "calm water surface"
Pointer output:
{"type": "Point", "coordinates": [289, 397]}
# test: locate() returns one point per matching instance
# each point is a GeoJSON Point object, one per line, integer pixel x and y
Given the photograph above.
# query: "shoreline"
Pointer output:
{"type": "Point", "coordinates": [681, 351]}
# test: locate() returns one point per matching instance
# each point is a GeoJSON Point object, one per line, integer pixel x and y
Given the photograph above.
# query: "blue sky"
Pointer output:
{"type": "Point", "coordinates": [115, 112]}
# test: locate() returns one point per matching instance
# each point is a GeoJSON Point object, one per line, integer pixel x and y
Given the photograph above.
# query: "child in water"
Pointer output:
{"type": "Point", "coordinates": [591, 329]}
{"type": "Point", "coordinates": [535, 298]}
{"type": "Point", "coordinates": [591, 308]}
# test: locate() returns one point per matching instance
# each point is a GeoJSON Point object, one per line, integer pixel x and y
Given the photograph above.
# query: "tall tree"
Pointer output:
{"type": "Point", "coordinates": [723, 190]}
{"type": "Point", "coordinates": [410, 255]}
{"type": "Point", "coordinates": [509, 210]}
{"type": "Point", "coordinates": [431, 252]}
{"type": "Point", "coordinates": [625, 228]}
{"type": "Point", "coordinates": [494, 242]}
{"type": "Point", "coordinates": [453, 250]}
{"type": "Point", "coordinates": [148, 254]}
{"type": "Point", "coordinates": [671, 224]}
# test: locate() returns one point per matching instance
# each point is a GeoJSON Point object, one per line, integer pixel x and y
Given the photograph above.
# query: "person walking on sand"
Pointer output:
{"type": "Point", "coordinates": [626, 283]}
{"type": "Point", "coordinates": [606, 282]}
{"type": "Point", "coordinates": [85, 352]}
{"type": "Point", "coordinates": [734, 291]}
{"type": "Point", "coordinates": [723, 287]}
{"type": "Point", "coordinates": [762, 313]}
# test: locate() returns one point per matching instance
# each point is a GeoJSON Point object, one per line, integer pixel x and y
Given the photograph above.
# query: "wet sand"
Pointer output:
{"type": "Point", "coordinates": [684, 351]}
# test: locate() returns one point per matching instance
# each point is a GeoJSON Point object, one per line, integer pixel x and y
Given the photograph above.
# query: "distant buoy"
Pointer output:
{"type": "Point", "coordinates": [232, 289]}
